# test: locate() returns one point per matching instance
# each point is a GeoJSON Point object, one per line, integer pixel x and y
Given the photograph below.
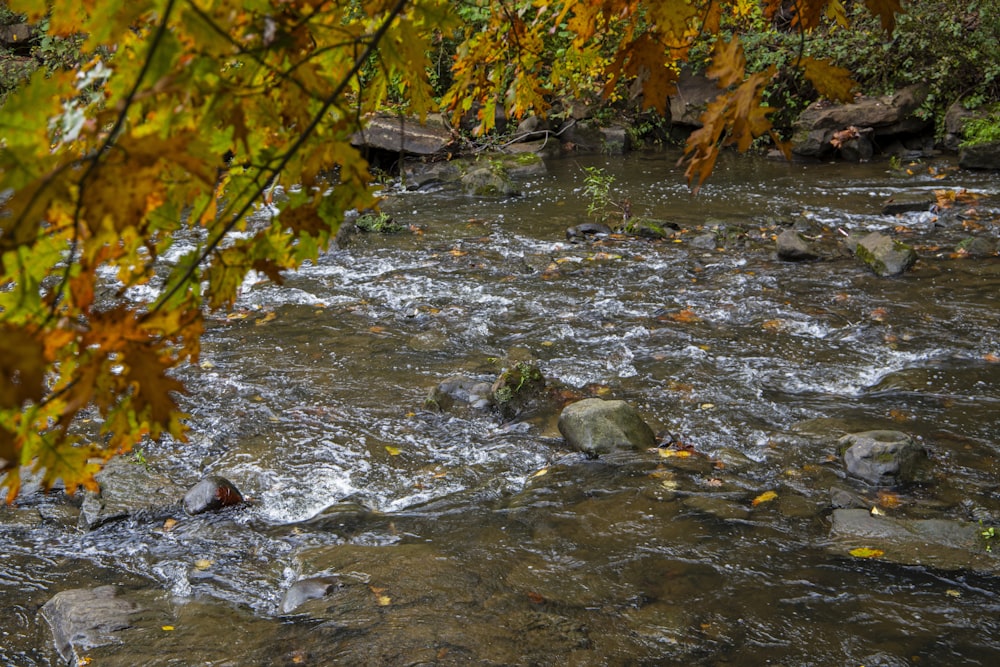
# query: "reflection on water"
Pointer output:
{"type": "Point", "coordinates": [315, 398]}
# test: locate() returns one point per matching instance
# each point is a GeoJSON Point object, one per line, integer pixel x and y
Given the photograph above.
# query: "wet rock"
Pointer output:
{"type": "Point", "coordinates": [304, 590]}
{"type": "Point", "coordinates": [127, 487]}
{"type": "Point", "coordinates": [980, 156]}
{"type": "Point", "coordinates": [647, 228]}
{"type": "Point", "coordinates": [883, 255]}
{"type": "Point", "coordinates": [899, 205]}
{"type": "Point", "coordinates": [488, 182]}
{"type": "Point", "coordinates": [940, 543]}
{"type": "Point", "coordinates": [461, 391]}
{"type": "Point", "coordinates": [392, 132]}
{"type": "Point", "coordinates": [887, 116]}
{"type": "Point", "coordinates": [857, 147]}
{"type": "Point", "coordinates": [211, 493]}
{"type": "Point", "coordinates": [706, 241]}
{"type": "Point", "coordinates": [586, 230]}
{"type": "Point", "coordinates": [954, 124]}
{"type": "Point", "coordinates": [595, 426]}
{"type": "Point", "coordinates": [881, 457]}
{"type": "Point", "coordinates": [82, 619]}
{"type": "Point", "coordinates": [588, 136]}
{"type": "Point", "coordinates": [791, 247]}
{"type": "Point", "coordinates": [518, 389]}
{"type": "Point", "coordinates": [976, 246]}
{"type": "Point", "coordinates": [844, 499]}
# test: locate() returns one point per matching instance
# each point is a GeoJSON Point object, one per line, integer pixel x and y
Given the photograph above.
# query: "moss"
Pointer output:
{"type": "Point", "coordinates": [380, 222]}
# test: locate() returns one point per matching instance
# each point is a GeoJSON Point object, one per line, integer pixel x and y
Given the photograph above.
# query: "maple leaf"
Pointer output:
{"type": "Point", "coordinates": [645, 59]}
{"type": "Point", "coordinates": [66, 460]}
{"type": "Point", "coordinates": [728, 63]}
{"type": "Point", "coordinates": [886, 10]}
{"type": "Point", "coordinates": [832, 82]}
{"type": "Point", "coordinates": [145, 369]}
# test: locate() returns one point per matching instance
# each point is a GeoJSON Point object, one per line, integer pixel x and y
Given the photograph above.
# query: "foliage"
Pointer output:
{"type": "Point", "coordinates": [597, 187]}
{"type": "Point", "coordinates": [378, 222]}
{"type": "Point", "coordinates": [129, 181]}
{"type": "Point", "coordinates": [983, 130]}
{"type": "Point", "coordinates": [949, 45]}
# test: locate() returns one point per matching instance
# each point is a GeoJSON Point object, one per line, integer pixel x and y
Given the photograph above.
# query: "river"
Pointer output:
{"type": "Point", "coordinates": [459, 538]}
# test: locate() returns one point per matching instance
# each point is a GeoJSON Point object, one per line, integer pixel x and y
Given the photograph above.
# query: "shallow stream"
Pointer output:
{"type": "Point", "coordinates": [460, 538]}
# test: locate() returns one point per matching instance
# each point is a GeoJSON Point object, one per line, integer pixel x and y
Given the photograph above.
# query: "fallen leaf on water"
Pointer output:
{"type": "Point", "coordinates": [951, 592]}
{"type": "Point", "coordinates": [393, 451]}
{"type": "Point", "coordinates": [991, 358]}
{"type": "Point", "coordinates": [237, 316]}
{"type": "Point", "coordinates": [888, 499]}
{"type": "Point", "coordinates": [381, 598]}
{"type": "Point", "coordinates": [267, 318]}
{"type": "Point", "coordinates": [900, 415]}
{"type": "Point", "coordinates": [672, 453]}
{"type": "Point", "coordinates": [167, 628]}
{"type": "Point", "coordinates": [877, 512]}
{"type": "Point", "coordinates": [457, 253]}
{"type": "Point", "coordinates": [686, 316]}
{"type": "Point", "coordinates": [765, 497]}
{"type": "Point", "coordinates": [878, 314]}
{"type": "Point", "coordinates": [865, 552]}
{"type": "Point", "coordinates": [715, 482]}
{"type": "Point", "coordinates": [207, 365]}
{"type": "Point", "coordinates": [169, 524]}
{"type": "Point", "coordinates": [203, 563]}
{"type": "Point", "coordinates": [539, 473]}
{"type": "Point", "coordinates": [535, 598]}
{"type": "Point", "coordinates": [773, 325]}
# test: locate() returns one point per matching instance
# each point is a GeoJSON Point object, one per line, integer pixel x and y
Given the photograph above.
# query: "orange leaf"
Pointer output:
{"type": "Point", "coordinates": [22, 367]}
{"type": "Point", "coordinates": [685, 316]}
{"type": "Point", "coordinates": [765, 497]}
{"type": "Point", "coordinates": [886, 10]}
{"type": "Point", "coordinates": [832, 82]}
{"type": "Point", "coordinates": [728, 63]}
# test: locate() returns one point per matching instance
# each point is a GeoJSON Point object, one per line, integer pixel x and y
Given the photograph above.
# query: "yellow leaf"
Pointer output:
{"type": "Point", "coordinates": [169, 524]}
{"type": "Point", "coordinates": [865, 552]}
{"type": "Point", "coordinates": [203, 563]}
{"type": "Point", "coordinates": [267, 318]}
{"type": "Point", "coordinates": [673, 453]}
{"type": "Point", "coordinates": [393, 451]}
{"type": "Point", "coordinates": [167, 628]}
{"type": "Point", "coordinates": [765, 497]}
{"type": "Point", "coordinates": [539, 473]}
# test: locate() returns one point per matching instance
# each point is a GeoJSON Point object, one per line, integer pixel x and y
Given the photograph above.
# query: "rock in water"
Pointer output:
{"type": "Point", "coordinates": [885, 256]}
{"type": "Point", "coordinates": [792, 247]}
{"type": "Point", "coordinates": [881, 457]}
{"type": "Point", "coordinates": [211, 493]}
{"type": "Point", "coordinates": [595, 426]}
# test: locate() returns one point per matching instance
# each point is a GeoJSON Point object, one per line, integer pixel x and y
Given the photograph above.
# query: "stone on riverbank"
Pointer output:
{"type": "Point", "coordinates": [211, 493]}
{"type": "Point", "coordinates": [888, 116]}
{"type": "Point", "coordinates": [394, 133]}
{"type": "Point", "coordinates": [595, 426]}
{"type": "Point", "coordinates": [939, 543]}
{"type": "Point", "coordinates": [885, 256]}
{"type": "Point", "coordinates": [881, 457]}
{"type": "Point", "coordinates": [980, 156]}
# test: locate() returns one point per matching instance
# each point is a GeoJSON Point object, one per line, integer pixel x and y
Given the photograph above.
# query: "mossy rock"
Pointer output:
{"type": "Point", "coordinates": [646, 228]}
{"type": "Point", "coordinates": [518, 389]}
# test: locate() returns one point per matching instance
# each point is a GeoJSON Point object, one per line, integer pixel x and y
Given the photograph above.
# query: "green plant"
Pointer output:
{"type": "Point", "coordinates": [988, 534]}
{"type": "Point", "coordinates": [379, 222]}
{"type": "Point", "coordinates": [981, 130]}
{"type": "Point", "coordinates": [603, 207]}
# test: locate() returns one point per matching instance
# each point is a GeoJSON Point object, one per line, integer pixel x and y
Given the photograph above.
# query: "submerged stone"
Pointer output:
{"type": "Point", "coordinates": [86, 618]}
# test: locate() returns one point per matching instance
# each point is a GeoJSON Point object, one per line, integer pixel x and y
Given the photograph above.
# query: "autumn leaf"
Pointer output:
{"type": "Point", "coordinates": [886, 10]}
{"type": "Point", "coordinates": [22, 365]}
{"type": "Point", "coordinates": [728, 63]}
{"type": "Point", "coordinates": [865, 552]}
{"type": "Point", "coordinates": [832, 82]}
{"type": "Point", "coordinates": [765, 497]}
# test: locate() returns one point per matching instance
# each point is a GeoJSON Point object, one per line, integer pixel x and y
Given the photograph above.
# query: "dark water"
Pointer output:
{"type": "Point", "coordinates": [473, 541]}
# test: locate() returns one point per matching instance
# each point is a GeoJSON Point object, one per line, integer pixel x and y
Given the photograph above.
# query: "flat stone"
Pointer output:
{"type": "Point", "coordinates": [791, 247]}
{"type": "Point", "coordinates": [940, 543]}
{"type": "Point", "coordinates": [881, 457]}
{"type": "Point", "coordinates": [883, 255]}
{"type": "Point", "coordinates": [595, 426]}
{"type": "Point", "coordinates": [390, 132]}
{"type": "Point", "coordinates": [85, 618]}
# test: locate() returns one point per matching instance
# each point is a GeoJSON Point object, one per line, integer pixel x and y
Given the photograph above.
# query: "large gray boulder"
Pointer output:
{"type": "Point", "coordinates": [885, 256]}
{"type": "Point", "coordinates": [595, 426]}
{"type": "Point", "coordinates": [127, 487]}
{"type": "Point", "coordinates": [403, 134]}
{"type": "Point", "coordinates": [887, 115]}
{"type": "Point", "coordinates": [881, 457]}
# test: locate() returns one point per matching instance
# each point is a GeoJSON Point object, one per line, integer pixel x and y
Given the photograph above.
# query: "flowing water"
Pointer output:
{"type": "Point", "coordinates": [460, 538]}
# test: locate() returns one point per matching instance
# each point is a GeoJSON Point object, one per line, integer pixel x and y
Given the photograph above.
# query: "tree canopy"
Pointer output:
{"type": "Point", "coordinates": [185, 112]}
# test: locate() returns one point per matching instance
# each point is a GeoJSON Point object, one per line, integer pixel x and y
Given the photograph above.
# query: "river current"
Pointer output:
{"type": "Point", "coordinates": [462, 538]}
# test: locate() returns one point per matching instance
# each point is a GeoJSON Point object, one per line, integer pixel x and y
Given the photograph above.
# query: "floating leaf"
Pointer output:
{"type": "Point", "coordinates": [765, 497]}
{"type": "Point", "coordinates": [673, 453]}
{"type": "Point", "coordinates": [393, 451]}
{"type": "Point", "coordinates": [167, 628]}
{"type": "Point", "coordinates": [865, 552]}
{"type": "Point", "coordinates": [267, 318]}
{"type": "Point", "coordinates": [540, 473]}
{"type": "Point", "coordinates": [169, 525]}
{"type": "Point", "coordinates": [203, 563]}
